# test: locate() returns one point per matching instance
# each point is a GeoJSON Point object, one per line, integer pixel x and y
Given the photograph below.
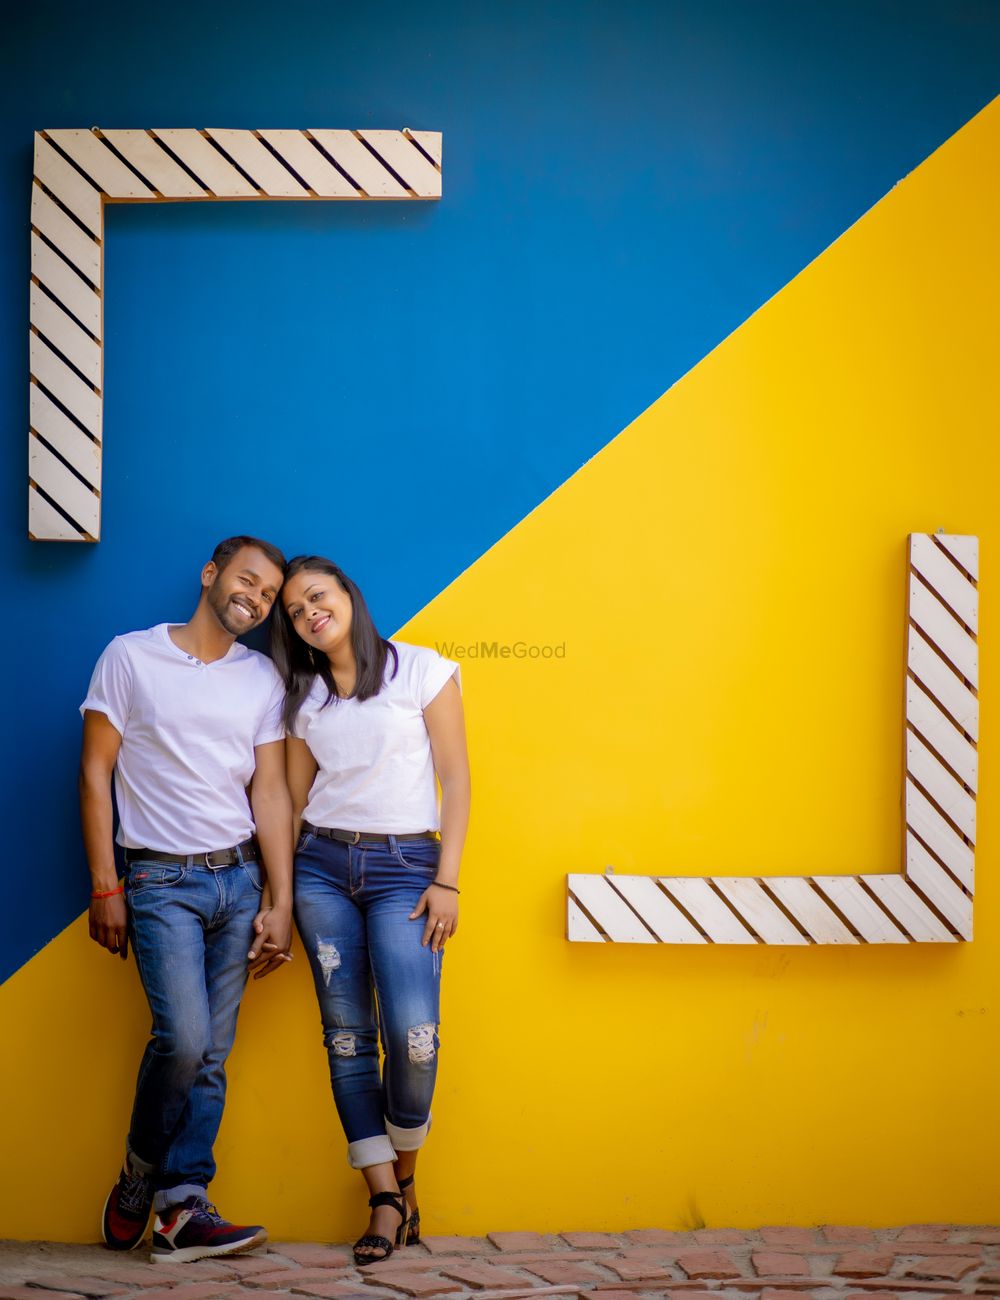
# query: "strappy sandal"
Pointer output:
{"type": "Point", "coordinates": [411, 1237]}
{"type": "Point", "coordinates": [398, 1203]}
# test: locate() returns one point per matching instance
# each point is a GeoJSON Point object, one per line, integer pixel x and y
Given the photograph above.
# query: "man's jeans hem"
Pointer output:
{"type": "Point", "coordinates": [169, 1196]}
{"type": "Point", "coordinates": [376, 1150]}
{"type": "Point", "coordinates": [407, 1139]}
{"type": "Point", "coordinates": [137, 1162]}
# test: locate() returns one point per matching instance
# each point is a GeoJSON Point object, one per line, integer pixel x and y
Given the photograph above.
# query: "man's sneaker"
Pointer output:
{"type": "Point", "coordinates": [126, 1211]}
{"type": "Point", "coordinates": [193, 1230]}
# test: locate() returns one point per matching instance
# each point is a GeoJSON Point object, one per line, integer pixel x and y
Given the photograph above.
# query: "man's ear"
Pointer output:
{"type": "Point", "coordinates": [209, 574]}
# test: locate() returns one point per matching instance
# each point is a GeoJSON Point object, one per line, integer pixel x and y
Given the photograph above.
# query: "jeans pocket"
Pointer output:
{"type": "Point", "coordinates": [253, 874]}
{"type": "Point", "coordinates": [419, 855]}
{"type": "Point", "coordinates": [153, 875]}
{"type": "Point", "coordinates": [305, 839]}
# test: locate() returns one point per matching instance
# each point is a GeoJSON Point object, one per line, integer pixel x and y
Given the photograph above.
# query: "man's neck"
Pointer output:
{"type": "Point", "coordinates": [202, 636]}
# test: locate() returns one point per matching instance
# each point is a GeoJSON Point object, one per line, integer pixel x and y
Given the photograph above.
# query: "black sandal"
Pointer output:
{"type": "Point", "coordinates": [412, 1225]}
{"type": "Point", "coordinates": [398, 1203]}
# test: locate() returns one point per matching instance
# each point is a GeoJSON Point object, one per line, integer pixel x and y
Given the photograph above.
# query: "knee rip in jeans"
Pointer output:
{"type": "Point", "coordinates": [420, 1043]}
{"type": "Point", "coordinates": [328, 958]}
{"type": "Point", "coordinates": [343, 1043]}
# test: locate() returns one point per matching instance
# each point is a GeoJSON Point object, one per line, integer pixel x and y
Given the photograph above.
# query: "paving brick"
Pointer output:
{"type": "Point", "coordinates": [881, 1284]}
{"type": "Point", "coordinates": [842, 1235]}
{"type": "Point", "coordinates": [415, 1283]}
{"type": "Point", "coordinates": [194, 1291]}
{"type": "Point", "coordinates": [860, 1295]}
{"type": "Point", "coordinates": [707, 1263]}
{"type": "Point", "coordinates": [36, 1293]}
{"type": "Point", "coordinates": [457, 1245]}
{"type": "Point", "coordinates": [139, 1273]}
{"type": "Point", "coordinates": [571, 1271]}
{"type": "Point", "coordinates": [332, 1290]}
{"type": "Point", "coordinates": [72, 1282]}
{"type": "Point", "coordinates": [591, 1240]}
{"type": "Point", "coordinates": [310, 1254]}
{"type": "Point", "coordinates": [935, 1248]}
{"type": "Point", "coordinates": [282, 1279]}
{"type": "Point", "coordinates": [656, 1254]}
{"type": "Point", "coordinates": [987, 1236]}
{"type": "Point", "coordinates": [775, 1263]}
{"type": "Point", "coordinates": [519, 1241]}
{"type": "Point", "coordinates": [948, 1267]}
{"type": "Point", "coordinates": [924, 1232]}
{"type": "Point", "coordinates": [690, 1295]}
{"type": "Point", "coordinates": [657, 1237]}
{"type": "Point", "coordinates": [864, 1263]}
{"type": "Point", "coordinates": [720, 1237]}
{"type": "Point", "coordinates": [788, 1236]}
{"type": "Point", "coordinates": [762, 1283]}
{"type": "Point", "coordinates": [251, 1265]}
{"type": "Point", "coordinates": [483, 1276]}
{"type": "Point", "coordinates": [991, 1275]}
{"type": "Point", "coordinates": [771, 1293]}
{"type": "Point", "coordinates": [635, 1270]}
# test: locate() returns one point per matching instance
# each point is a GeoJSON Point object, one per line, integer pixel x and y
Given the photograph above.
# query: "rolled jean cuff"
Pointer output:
{"type": "Point", "coordinates": [408, 1139]}
{"type": "Point", "coordinates": [370, 1151]}
{"type": "Point", "coordinates": [167, 1196]}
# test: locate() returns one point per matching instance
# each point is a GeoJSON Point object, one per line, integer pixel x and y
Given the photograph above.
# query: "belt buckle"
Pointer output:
{"type": "Point", "coordinates": [357, 838]}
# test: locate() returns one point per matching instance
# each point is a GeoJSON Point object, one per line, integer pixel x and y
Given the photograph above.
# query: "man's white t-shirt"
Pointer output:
{"type": "Point", "coordinates": [188, 733]}
{"type": "Point", "coordinates": [376, 772]}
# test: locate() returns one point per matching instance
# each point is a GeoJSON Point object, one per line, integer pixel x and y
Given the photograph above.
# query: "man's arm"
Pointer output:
{"type": "Point", "coordinates": [272, 814]}
{"type": "Point", "coordinates": [101, 743]}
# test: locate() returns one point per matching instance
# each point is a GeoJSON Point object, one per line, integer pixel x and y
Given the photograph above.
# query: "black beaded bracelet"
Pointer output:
{"type": "Point", "coordinates": [441, 885]}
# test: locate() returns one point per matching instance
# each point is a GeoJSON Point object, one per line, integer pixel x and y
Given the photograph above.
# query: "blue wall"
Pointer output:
{"type": "Point", "coordinates": [396, 385]}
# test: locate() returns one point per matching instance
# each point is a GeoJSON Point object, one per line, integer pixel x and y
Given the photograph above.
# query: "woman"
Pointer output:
{"type": "Point", "coordinates": [371, 722]}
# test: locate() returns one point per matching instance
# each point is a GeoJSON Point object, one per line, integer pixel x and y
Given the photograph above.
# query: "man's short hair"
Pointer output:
{"type": "Point", "coordinates": [226, 549]}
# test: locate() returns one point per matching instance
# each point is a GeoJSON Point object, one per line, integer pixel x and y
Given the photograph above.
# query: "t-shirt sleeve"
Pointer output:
{"type": "Point", "coordinates": [110, 690]}
{"type": "Point", "coordinates": [272, 723]}
{"type": "Point", "coordinates": [433, 671]}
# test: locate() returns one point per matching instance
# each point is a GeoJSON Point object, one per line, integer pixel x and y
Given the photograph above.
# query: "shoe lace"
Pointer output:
{"type": "Point", "coordinates": [203, 1210]}
{"type": "Point", "coordinates": [135, 1193]}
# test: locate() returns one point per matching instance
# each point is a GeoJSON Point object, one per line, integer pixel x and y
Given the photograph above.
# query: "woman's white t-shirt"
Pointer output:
{"type": "Point", "coordinates": [376, 772]}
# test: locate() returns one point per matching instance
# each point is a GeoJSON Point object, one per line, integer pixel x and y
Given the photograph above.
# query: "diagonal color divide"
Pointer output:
{"type": "Point", "coordinates": [931, 900]}
{"type": "Point", "coordinates": [76, 173]}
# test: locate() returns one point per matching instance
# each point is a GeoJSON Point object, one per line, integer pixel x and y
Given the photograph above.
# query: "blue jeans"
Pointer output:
{"type": "Point", "coordinates": [190, 929]}
{"type": "Point", "coordinates": [352, 907]}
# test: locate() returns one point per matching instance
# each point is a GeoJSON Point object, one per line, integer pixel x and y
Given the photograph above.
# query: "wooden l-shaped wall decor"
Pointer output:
{"type": "Point", "coordinates": [931, 900]}
{"type": "Point", "coordinates": [78, 171]}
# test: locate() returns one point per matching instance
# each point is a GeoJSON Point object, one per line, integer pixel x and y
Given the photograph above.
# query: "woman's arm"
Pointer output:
{"type": "Point", "coordinates": [300, 771]}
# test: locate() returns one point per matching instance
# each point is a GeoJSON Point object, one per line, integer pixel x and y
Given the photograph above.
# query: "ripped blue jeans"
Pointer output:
{"type": "Point", "coordinates": [373, 979]}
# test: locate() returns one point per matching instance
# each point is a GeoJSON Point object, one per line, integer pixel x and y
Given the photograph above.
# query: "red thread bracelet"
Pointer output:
{"type": "Point", "coordinates": [109, 893]}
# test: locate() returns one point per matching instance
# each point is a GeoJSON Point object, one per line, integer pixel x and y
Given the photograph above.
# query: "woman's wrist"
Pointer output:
{"type": "Point", "coordinates": [441, 884]}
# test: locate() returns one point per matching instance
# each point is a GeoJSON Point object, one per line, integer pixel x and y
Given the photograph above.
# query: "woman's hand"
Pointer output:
{"type": "Point", "coordinates": [272, 927]}
{"type": "Point", "coordinates": [441, 906]}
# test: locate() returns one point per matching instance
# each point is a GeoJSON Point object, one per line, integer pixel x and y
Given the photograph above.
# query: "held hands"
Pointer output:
{"type": "Point", "coordinates": [269, 948]}
{"type": "Point", "coordinates": [441, 906]}
{"type": "Point", "coordinates": [109, 924]}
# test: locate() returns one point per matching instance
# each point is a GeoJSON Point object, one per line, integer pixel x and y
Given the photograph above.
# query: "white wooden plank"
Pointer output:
{"type": "Point", "coordinates": [938, 887]}
{"type": "Point", "coordinates": [247, 152]}
{"type": "Point", "coordinates": [53, 477]}
{"type": "Point", "coordinates": [147, 157]}
{"type": "Point", "coordinates": [612, 915]}
{"type": "Point", "coordinates": [965, 550]}
{"type": "Point", "coordinates": [941, 786]}
{"type": "Point", "coordinates": [65, 335]}
{"type": "Point", "coordinates": [108, 172]}
{"type": "Point", "coordinates": [944, 631]}
{"type": "Point", "coordinates": [61, 280]}
{"type": "Point", "coordinates": [406, 161]}
{"type": "Point", "coordinates": [66, 387]}
{"type": "Point", "coordinates": [955, 590]}
{"type": "Point", "coordinates": [364, 169]}
{"type": "Point", "coordinates": [812, 912]}
{"type": "Point", "coordinates": [429, 141]}
{"type": "Point", "coordinates": [760, 913]}
{"type": "Point", "coordinates": [865, 915]}
{"type": "Point", "coordinates": [941, 734]}
{"type": "Point", "coordinates": [69, 441]}
{"type": "Point", "coordinates": [663, 917]}
{"type": "Point", "coordinates": [83, 251]}
{"type": "Point", "coordinates": [578, 928]}
{"type": "Point", "coordinates": [707, 909]}
{"type": "Point", "coordinates": [909, 909]}
{"type": "Point", "coordinates": [46, 524]}
{"type": "Point", "coordinates": [317, 172]}
{"type": "Point", "coordinates": [216, 173]}
{"type": "Point", "coordinates": [69, 187]}
{"type": "Point", "coordinates": [924, 818]}
{"type": "Point", "coordinates": [943, 683]}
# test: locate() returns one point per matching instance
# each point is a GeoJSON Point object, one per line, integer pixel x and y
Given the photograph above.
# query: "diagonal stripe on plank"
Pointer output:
{"type": "Point", "coordinates": [79, 195]}
{"type": "Point", "coordinates": [59, 229]}
{"type": "Point", "coordinates": [107, 172]}
{"type": "Point", "coordinates": [43, 521]}
{"type": "Point", "coordinates": [267, 172]}
{"type": "Point", "coordinates": [931, 901]}
{"type": "Point", "coordinates": [151, 160]}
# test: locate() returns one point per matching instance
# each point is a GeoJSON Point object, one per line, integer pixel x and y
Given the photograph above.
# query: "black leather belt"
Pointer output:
{"type": "Point", "coordinates": [248, 851]}
{"type": "Point", "coordinates": [355, 837]}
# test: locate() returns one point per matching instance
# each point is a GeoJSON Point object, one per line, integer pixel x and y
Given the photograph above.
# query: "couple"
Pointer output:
{"type": "Point", "coordinates": [212, 798]}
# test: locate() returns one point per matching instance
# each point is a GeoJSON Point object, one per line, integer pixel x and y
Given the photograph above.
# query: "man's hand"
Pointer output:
{"type": "Point", "coordinates": [108, 924]}
{"type": "Point", "coordinates": [269, 949]}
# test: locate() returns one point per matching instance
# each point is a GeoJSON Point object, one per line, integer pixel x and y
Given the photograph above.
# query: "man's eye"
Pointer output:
{"type": "Point", "coordinates": [267, 595]}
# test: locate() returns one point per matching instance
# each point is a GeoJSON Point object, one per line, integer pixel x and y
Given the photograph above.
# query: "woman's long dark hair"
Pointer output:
{"type": "Point", "coordinates": [299, 664]}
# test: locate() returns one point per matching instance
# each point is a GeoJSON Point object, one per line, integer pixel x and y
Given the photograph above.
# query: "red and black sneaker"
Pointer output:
{"type": "Point", "coordinates": [193, 1230]}
{"type": "Point", "coordinates": [126, 1211]}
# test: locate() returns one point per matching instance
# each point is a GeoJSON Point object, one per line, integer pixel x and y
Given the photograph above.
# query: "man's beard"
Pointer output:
{"type": "Point", "coordinates": [220, 604]}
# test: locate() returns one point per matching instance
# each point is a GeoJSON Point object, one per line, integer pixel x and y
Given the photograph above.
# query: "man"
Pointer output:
{"type": "Point", "coordinates": [188, 720]}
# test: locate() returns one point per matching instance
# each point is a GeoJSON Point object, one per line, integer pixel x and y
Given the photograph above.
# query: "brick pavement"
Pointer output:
{"type": "Point", "coordinates": [916, 1262]}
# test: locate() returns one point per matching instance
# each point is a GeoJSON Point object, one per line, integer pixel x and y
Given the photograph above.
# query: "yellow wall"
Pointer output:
{"type": "Point", "coordinates": [728, 579]}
